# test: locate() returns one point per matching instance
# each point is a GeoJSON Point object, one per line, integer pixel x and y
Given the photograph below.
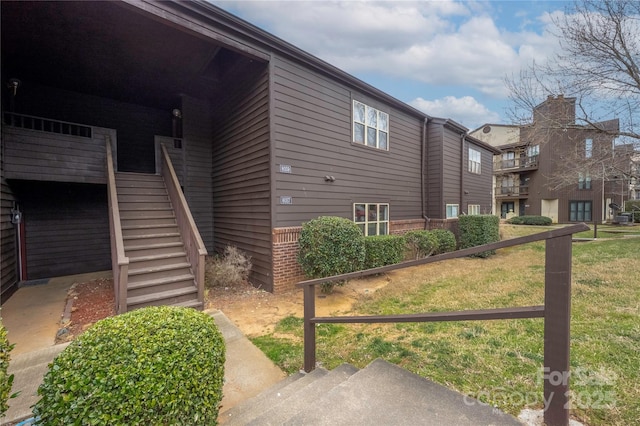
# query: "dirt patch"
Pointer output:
{"type": "Point", "coordinates": [88, 302]}
{"type": "Point", "coordinates": [256, 312]}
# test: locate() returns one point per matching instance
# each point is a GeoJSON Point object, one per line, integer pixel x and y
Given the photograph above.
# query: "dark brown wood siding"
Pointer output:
{"type": "Point", "coordinates": [66, 228]}
{"type": "Point", "coordinates": [8, 243]}
{"type": "Point", "coordinates": [241, 176]}
{"type": "Point", "coordinates": [39, 155]}
{"type": "Point", "coordinates": [198, 130]}
{"type": "Point", "coordinates": [451, 157]}
{"type": "Point", "coordinates": [434, 171]}
{"type": "Point", "coordinates": [477, 187]}
{"type": "Point", "coordinates": [313, 135]}
{"type": "Point", "coordinates": [136, 125]}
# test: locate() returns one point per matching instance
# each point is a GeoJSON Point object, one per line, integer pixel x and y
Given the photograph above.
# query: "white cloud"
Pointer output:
{"type": "Point", "coordinates": [465, 110]}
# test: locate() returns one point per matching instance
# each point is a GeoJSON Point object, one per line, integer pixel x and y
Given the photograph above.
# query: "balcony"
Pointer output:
{"type": "Point", "coordinates": [521, 164]}
{"type": "Point", "coordinates": [511, 191]}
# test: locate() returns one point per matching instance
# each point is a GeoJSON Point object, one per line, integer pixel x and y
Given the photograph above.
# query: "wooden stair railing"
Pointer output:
{"type": "Point", "coordinates": [193, 243]}
{"type": "Point", "coordinates": [119, 262]}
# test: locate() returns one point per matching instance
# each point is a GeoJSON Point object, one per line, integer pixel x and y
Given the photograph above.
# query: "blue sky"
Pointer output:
{"type": "Point", "coordinates": [447, 58]}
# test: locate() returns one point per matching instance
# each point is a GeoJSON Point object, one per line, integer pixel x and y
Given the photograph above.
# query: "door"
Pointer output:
{"type": "Point", "coordinates": [549, 208]}
{"type": "Point", "coordinates": [505, 208]}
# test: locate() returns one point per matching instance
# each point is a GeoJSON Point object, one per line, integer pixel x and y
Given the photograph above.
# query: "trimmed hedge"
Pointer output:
{"type": "Point", "coordinates": [421, 243]}
{"type": "Point", "coordinates": [476, 230]}
{"type": "Point", "coordinates": [382, 250]}
{"type": "Point", "coordinates": [446, 241]}
{"type": "Point", "coordinates": [530, 220]}
{"type": "Point", "coordinates": [157, 365]}
{"type": "Point", "coordinates": [329, 246]}
{"type": "Point", "coordinates": [6, 380]}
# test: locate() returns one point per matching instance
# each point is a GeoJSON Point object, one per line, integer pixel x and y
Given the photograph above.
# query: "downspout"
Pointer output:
{"type": "Point", "coordinates": [423, 156]}
{"type": "Point", "coordinates": [462, 139]}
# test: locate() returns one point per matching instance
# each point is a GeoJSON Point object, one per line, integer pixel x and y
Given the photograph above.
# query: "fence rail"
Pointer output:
{"type": "Point", "coordinates": [556, 310]}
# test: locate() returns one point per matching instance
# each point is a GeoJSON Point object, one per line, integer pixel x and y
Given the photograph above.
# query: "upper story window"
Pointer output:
{"type": "Point", "coordinates": [584, 181]}
{"type": "Point", "coordinates": [588, 148]}
{"type": "Point", "coordinates": [370, 126]}
{"type": "Point", "coordinates": [533, 150]}
{"type": "Point", "coordinates": [372, 218]}
{"type": "Point", "coordinates": [474, 161]}
{"type": "Point", "coordinates": [452, 210]}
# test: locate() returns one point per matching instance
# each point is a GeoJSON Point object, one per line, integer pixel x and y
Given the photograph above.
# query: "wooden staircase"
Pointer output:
{"type": "Point", "coordinates": [159, 271]}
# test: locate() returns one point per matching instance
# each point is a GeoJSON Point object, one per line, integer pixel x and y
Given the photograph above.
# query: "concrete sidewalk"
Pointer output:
{"type": "Point", "coordinates": [247, 371]}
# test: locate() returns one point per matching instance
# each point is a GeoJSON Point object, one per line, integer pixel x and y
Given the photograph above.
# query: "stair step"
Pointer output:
{"type": "Point", "coordinates": [153, 249]}
{"type": "Point", "coordinates": [135, 205]}
{"type": "Point", "coordinates": [153, 246]}
{"type": "Point", "coordinates": [191, 304]}
{"type": "Point", "coordinates": [135, 223]}
{"type": "Point", "coordinates": [165, 266]}
{"type": "Point", "coordinates": [137, 177]}
{"type": "Point", "coordinates": [288, 407]}
{"type": "Point", "coordinates": [145, 281]}
{"type": "Point", "coordinates": [170, 297]}
{"type": "Point", "coordinates": [254, 407]}
{"type": "Point", "coordinates": [146, 214]}
{"type": "Point", "coordinates": [160, 285]}
{"type": "Point", "coordinates": [142, 190]}
{"type": "Point", "coordinates": [150, 239]}
{"type": "Point", "coordinates": [142, 198]}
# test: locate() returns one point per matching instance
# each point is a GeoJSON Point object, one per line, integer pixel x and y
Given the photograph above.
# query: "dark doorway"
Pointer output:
{"type": "Point", "coordinates": [506, 207]}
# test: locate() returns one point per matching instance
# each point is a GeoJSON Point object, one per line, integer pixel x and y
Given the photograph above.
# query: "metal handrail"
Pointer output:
{"type": "Point", "coordinates": [119, 262]}
{"type": "Point", "coordinates": [556, 310]}
{"type": "Point", "coordinates": [194, 245]}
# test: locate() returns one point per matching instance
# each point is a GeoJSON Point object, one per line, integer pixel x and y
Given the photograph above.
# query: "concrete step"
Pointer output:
{"type": "Point", "coordinates": [383, 393]}
{"type": "Point", "coordinates": [291, 406]}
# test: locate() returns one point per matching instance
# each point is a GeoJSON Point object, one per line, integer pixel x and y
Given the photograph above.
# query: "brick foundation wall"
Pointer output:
{"type": "Point", "coordinates": [286, 270]}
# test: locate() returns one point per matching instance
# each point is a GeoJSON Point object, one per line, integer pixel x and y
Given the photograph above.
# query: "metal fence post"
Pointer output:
{"type": "Point", "coordinates": [557, 306]}
{"type": "Point", "coordinates": [309, 328]}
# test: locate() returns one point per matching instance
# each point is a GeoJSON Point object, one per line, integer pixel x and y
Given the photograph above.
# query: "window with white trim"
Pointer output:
{"type": "Point", "coordinates": [370, 126]}
{"type": "Point", "coordinates": [474, 161]}
{"type": "Point", "coordinates": [452, 210]}
{"type": "Point", "coordinates": [588, 148]}
{"type": "Point", "coordinates": [473, 209]}
{"type": "Point", "coordinates": [372, 218]}
{"type": "Point", "coordinates": [584, 180]}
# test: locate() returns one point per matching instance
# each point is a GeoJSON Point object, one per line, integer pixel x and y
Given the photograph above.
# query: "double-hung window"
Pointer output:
{"type": "Point", "coordinates": [580, 211]}
{"type": "Point", "coordinates": [370, 126]}
{"type": "Point", "coordinates": [452, 210]}
{"type": "Point", "coordinates": [588, 148]}
{"type": "Point", "coordinates": [474, 161]}
{"type": "Point", "coordinates": [372, 218]}
{"type": "Point", "coordinates": [584, 181]}
{"type": "Point", "coordinates": [473, 209]}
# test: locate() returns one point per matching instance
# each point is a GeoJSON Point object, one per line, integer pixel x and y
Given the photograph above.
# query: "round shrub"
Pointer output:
{"type": "Point", "coordinates": [421, 243]}
{"type": "Point", "coordinates": [446, 241]}
{"type": "Point", "coordinates": [330, 246]}
{"type": "Point", "coordinates": [6, 380]}
{"type": "Point", "coordinates": [157, 365]}
{"type": "Point", "coordinates": [383, 250]}
{"type": "Point", "coordinates": [477, 230]}
{"type": "Point", "coordinates": [530, 220]}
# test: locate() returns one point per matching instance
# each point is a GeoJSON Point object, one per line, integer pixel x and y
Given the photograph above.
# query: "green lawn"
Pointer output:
{"type": "Point", "coordinates": [500, 362]}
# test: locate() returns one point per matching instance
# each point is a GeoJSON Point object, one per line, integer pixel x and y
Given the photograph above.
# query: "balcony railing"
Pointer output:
{"type": "Point", "coordinates": [511, 191]}
{"type": "Point", "coordinates": [527, 163]}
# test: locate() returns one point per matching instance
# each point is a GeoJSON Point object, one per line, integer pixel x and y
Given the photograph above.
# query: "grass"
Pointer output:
{"type": "Point", "coordinates": [500, 362]}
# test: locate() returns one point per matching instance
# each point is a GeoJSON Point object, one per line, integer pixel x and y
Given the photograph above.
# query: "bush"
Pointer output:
{"type": "Point", "coordinates": [633, 206]}
{"type": "Point", "coordinates": [446, 241]}
{"type": "Point", "coordinates": [476, 230]}
{"type": "Point", "coordinates": [6, 380]}
{"type": "Point", "coordinates": [230, 269]}
{"type": "Point", "coordinates": [382, 250]}
{"type": "Point", "coordinates": [530, 220]}
{"type": "Point", "coordinates": [330, 246]}
{"type": "Point", "coordinates": [421, 243]}
{"type": "Point", "coordinates": [157, 365]}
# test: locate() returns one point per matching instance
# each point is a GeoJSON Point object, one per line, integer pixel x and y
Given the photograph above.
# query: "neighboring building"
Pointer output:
{"type": "Point", "coordinates": [263, 137]}
{"type": "Point", "coordinates": [534, 172]}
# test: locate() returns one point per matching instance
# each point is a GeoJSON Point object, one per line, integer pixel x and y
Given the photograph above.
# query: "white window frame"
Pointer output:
{"type": "Point", "coordinates": [378, 127]}
{"type": "Point", "coordinates": [364, 219]}
{"type": "Point", "coordinates": [588, 148]}
{"type": "Point", "coordinates": [584, 180]}
{"type": "Point", "coordinates": [475, 161]}
{"type": "Point", "coordinates": [452, 210]}
{"type": "Point", "coordinates": [533, 150]}
{"type": "Point", "coordinates": [473, 209]}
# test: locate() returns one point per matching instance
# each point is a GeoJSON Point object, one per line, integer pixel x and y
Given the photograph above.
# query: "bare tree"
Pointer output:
{"type": "Point", "coordinates": [598, 69]}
